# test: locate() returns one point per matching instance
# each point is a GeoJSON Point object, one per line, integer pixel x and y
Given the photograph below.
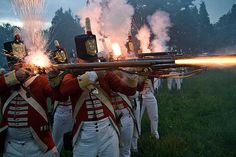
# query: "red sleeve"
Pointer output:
{"type": "Point", "coordinates": [69, 85]}
{"type": "Point", "coordinates": [3, 85]}
{"type": "Point", "coordinates": [54, 94]}
{"type": "Point", "coordinates": [117, 85]}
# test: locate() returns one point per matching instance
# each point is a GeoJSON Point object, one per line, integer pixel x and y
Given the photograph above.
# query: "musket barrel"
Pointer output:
{"type": "Point", "coordinates": [157, 54]}
{"type": "Point", "coordinates": [118, 64]}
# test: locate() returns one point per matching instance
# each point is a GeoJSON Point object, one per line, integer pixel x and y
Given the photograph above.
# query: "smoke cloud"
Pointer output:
{"type": "Point", "coordinates": [160, 24]}
{"type": "Point", "coordinates": [143, 36]}
{"type": "Point", "coordinates": [31, 15]}
{"type": "Point", "coordinates": [110, 20]}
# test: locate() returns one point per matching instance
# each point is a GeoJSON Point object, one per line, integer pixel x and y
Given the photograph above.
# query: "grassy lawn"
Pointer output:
{"type": "Point", "coordinates": [198, 121]}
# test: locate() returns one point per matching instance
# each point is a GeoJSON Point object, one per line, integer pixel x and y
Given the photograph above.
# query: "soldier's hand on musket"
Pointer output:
{"type": "Point", "coordinates": [22, 74]}
{"type": "Point", "coordinates": [148, 69]}
{"type": "Point", "coordinates": [88, 78]}
{"type": "Point", "coordinates": [132, 79]}
{"type": "Point", "coordinates": [54, 77]}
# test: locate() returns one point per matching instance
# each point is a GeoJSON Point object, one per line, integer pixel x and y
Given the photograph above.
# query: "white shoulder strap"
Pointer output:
{"type": "Point", "coordinates": [10, 98]}
{"type": "Point", "coordinates": [15, 93]}
{"type": "Point", "coordinates": [29, 81]}
{"type": "Point", "coordinates": [103, 98]}
{"type": "Point", "coordinates": [33, 103]}
{"type": "Point", "coordinates": [125, 98]}
{"type": "Point", "coordinates": [79, 103]}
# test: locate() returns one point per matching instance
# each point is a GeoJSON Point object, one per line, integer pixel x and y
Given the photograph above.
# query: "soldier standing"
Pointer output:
{"type": "Point", "coordinates": [62, 117]}
{"type": "Point", "coordinates": [15, 50]}
{"type": "Point", "coordinates": [125, 118]}
{"type": "Point", "coordinates": [60, 55]}
{"type": "Point", "coordinates": [24, 129]}
{"type": "Point", "coordinates": [95, 132]}
{"type": "Point", "coordinates": [149, 101]}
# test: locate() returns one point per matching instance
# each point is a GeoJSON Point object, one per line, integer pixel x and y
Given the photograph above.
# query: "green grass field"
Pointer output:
{"type": "Point", "coordinates": [198, 121]}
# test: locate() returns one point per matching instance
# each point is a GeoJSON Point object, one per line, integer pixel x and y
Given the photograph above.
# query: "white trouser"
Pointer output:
{"type": "Point", "coordinates": [126, 128]}
{"type": "Point", "coordinates": [97, 138]}
{"type": "Point", "coordinates": [137, 128]}
{"type": "Point", "coordinates": [157, 83]}
{"type": "Point", "coordinates": [24, 149]}
{"type": "Point", "coordinates": [63, 123]}
{"type": "Point", "coordinates": [150, 102]}
{"type": "Point", "coordinates": [171, 82]}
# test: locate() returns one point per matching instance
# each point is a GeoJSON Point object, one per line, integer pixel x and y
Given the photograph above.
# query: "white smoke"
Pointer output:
{"type": "Point", "coordinates": [110, 19]}
{"type": "Point", "coordinates": [31, 15]}
{"type": "Point", "coordinates": [94, 12]}
{"type": "Point", "coordinates": [117, 18]}
{"type": "Point", "coordinates": [160, 24]}
{"type": "Point", "coordinates": [143, 36]}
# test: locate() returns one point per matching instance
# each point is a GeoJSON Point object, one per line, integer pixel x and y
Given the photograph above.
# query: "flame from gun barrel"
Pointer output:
{"type": "Point", "coordinates": [209, 61]}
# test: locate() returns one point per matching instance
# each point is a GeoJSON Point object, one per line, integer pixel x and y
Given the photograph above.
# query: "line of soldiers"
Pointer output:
{"type": "Point", "coordinates": [102, 108]}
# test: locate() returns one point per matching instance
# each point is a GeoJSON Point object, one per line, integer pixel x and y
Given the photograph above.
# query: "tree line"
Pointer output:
{"type": "Point", "coordinates": [191, 30]}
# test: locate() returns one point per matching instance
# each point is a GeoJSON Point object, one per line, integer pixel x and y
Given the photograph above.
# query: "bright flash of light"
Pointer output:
{"type": "Point", "coordinates": [38, 59]}
{"type": "Point", "coordinates": [219, 61]}
{"type": "Point", "coordinates": [116, 50]}
{"type": "Point", "coordinates": [31, 15]}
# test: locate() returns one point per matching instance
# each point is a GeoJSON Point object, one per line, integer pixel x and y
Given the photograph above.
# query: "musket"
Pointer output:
{"type": "Point", "coordinates": [118, 64]}
{"type": "Point", "coordinates": [159, 67]}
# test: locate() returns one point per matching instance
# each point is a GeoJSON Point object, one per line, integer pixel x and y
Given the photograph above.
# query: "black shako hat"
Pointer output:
{"type": "Point", "coordinates": [86, 47]}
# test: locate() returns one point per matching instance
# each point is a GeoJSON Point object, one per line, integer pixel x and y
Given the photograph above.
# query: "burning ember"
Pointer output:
{"type": "Point", "coordinates": [116, 50]}
{"type": "Point", "coordinates": [218, 61]}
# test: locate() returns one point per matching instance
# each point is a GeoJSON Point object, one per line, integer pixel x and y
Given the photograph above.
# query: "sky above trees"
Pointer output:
{"type": "Point", "coordinates": [216, 9]}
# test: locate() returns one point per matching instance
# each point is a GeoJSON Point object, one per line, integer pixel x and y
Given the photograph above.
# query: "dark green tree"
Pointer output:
{"type": "Point", "coordinates": [205, 38]}
{"type": "Point", "coordinates": [6, 34]}
{"type": "Point", "coordinates": [184, 31]}
{"type": "Point", "coordinates": [225, 30]}
{"type": "Point", "coordinates": [64, 28]}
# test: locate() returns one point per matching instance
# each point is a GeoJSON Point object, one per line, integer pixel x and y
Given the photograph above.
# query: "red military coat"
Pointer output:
{"type": "Point", "coordinates": [37, 123]}
{"type": "Point", "coordinates": [108, 82]}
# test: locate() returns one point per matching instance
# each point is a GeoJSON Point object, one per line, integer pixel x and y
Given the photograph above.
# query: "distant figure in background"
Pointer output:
{"type": "Point", "coordinates": [174, 82]}
{"type": "Point", "coordinates": [130, 47]}
{"type": "Point", "coordinates": [129, 44]}
{"type": "Point", "coordinates": [62, 118]}
{"type": "Point", "coordinates": [156, 84]}
{"type": "Point", "coordinates": [59, 55]}
{"type": "Point", "coordinates": [15, 50]}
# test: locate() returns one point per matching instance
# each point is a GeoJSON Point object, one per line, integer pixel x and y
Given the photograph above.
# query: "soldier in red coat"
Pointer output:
{"type": "Point", "coordinates": [24, 129]}
{"type": "Point", "coordinates": [95, 131]}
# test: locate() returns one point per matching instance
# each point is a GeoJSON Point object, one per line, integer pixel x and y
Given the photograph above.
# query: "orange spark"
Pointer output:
{"type": "Point", "coordinates": [218, 61]}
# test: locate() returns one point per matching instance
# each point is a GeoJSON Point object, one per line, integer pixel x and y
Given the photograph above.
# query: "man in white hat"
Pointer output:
{"type": "Point", "coordinates": [62, 117]}
{"type": "Point", "coordinates": [18, 47]}
{"type": "Point", "coordinates": [59, 55]}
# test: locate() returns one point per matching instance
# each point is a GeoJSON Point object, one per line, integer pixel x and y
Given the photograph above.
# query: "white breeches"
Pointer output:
{"type": "Point", "coordinates": [126, 133]}
{"type": "Point", "coordinates": [24, 149]}
{"type": "Point", "coordinates": [136, 133]}
{"type": "Point", "coordinates": [150, 103]}
{"type": "Point", "coordinates": [172, 82]}
{"type": "Point", "coordinates": [63, 123]}
{"type": "Point", "coordinates": [97, 138]}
